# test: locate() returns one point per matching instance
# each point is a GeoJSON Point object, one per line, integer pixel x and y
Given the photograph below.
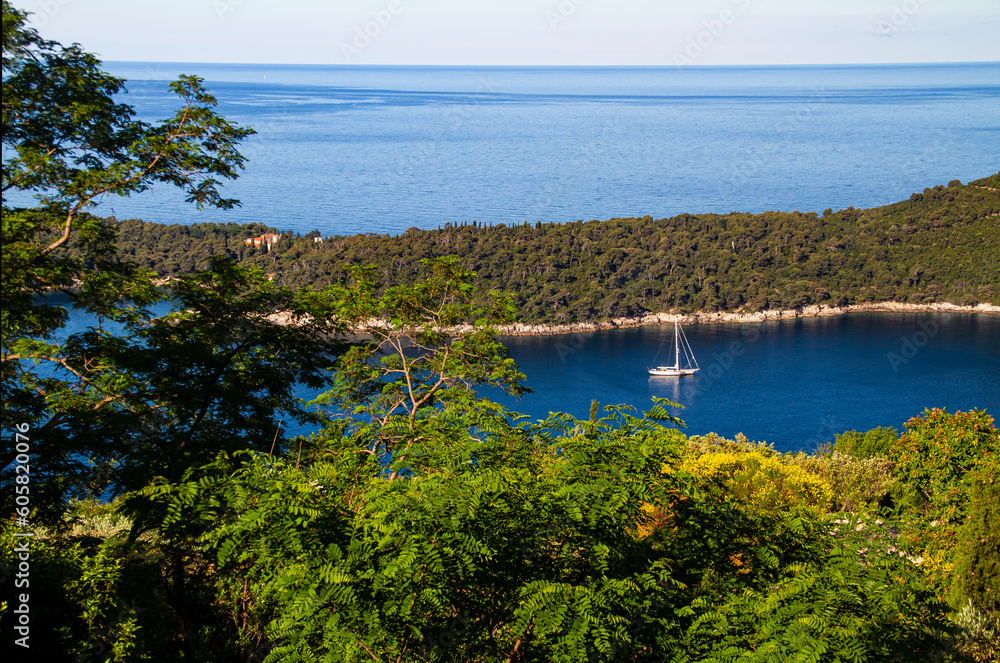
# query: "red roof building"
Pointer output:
{"type": "Point", "coordinates": [267, 239]}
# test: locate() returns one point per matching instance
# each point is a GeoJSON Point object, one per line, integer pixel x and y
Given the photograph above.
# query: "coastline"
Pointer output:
{"type": "Point", "coordinates": [284, 318]}
{"type": "Point", "coordinates": [723, 317]}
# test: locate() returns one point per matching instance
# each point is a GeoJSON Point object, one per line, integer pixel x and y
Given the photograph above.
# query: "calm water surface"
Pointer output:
{"type": "Point", "coordinates": [793, 383]}
{"type": "Point", "coordinates": [380, 149]}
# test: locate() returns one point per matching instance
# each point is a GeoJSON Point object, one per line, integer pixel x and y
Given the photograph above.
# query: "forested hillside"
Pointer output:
{"type": "Point", "coordinates": [940, 245]}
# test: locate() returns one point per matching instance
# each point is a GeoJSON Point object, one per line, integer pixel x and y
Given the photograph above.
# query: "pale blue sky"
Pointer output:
{"type": "Point", "coordinates": [532, 32]}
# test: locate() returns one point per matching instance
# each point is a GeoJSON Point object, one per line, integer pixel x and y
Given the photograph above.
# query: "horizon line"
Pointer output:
{"type": "Point", "coordinates": [568, 66]}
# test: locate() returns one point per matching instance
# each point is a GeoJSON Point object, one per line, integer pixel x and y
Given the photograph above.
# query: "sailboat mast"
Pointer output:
{"type": "Point", "coordinates": [677, 346]}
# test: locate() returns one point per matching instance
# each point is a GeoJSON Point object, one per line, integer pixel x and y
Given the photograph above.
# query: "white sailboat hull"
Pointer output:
{"type": "Point", "coordinates": [671, 371]}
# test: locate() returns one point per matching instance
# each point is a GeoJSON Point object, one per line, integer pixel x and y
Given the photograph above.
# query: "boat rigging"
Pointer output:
{"type": "Point", "coordinates": [681, 346]}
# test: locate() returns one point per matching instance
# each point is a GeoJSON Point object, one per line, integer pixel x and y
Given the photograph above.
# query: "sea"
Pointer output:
{"type": "Point", "coordinates": [379, 149]}
{"type": "Point", "coordinates": [795, 384]}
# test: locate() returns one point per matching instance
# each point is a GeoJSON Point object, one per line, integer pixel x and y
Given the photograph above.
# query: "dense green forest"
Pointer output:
{"type": "Point", "coordinates": [156, 510]}
{"type": "Point", "coordinates": [939, 246]}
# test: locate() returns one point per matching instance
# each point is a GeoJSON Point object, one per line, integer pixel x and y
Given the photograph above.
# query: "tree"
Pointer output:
{"type": "Point", "coordinates": [68, 141]}
{"type": "Point", "coordinates": [977, 567]}
{"type": "Point", "coordinates": [425, 522]}
{"type": "Point", "coordinates": [573, 272]}
{"type": "Point", "coordinates": [133, 397]}
{"type": "Point", "coordinates": [111, 410]}
{"type": "Point", "coordinates": [524, 547]}
{"type": "Point", "coordinates": [936, 454]}
{"type": "Point", "coordinates": [428, 349]}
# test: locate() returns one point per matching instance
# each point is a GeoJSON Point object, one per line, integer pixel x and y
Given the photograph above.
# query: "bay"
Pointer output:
{"type": "Point", "coordinates": [792, 383]}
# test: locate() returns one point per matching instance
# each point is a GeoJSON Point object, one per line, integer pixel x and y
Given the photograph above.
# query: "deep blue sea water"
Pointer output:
{"type": "Point", "coordinates": [379, 149]}
{"type": "Point", "coordinates": [793, 383]}
{"type": "Point", "coordinates": [354, 149]}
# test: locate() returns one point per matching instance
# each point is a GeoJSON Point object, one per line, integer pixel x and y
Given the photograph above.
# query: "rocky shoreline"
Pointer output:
{"type": "Point", "coordinates": [713, 318]}
{"type": "Point", "coordinates": [722, 317]}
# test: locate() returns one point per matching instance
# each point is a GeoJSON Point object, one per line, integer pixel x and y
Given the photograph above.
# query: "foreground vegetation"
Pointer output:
{"type": "Point", "coordinates": [618, 539]}
{"type": "Point", "coordinates": [938, 246]}
{"type": "Point", "coordinates": [169, 518]}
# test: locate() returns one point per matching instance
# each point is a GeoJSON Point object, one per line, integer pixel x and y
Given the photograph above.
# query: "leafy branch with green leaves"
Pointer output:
{"type": "Point", "coordinates": [423, 351]}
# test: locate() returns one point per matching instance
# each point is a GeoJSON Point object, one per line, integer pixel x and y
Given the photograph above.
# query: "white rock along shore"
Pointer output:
{"type": "Point", "coordinates": [722, 317]}
{"type": "Point", "coordinates": [700, 317]}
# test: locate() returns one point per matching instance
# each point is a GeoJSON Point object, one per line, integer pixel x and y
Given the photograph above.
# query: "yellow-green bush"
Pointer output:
{"type": "Point", "coordinates": [881, 441]}
{"type": "Point", "coordinates": [714, 443]}
{"type": "Point", "coordinates": [978, 637]}
{"type": "Point", "coordinates": [857, 483]}
{"type": "Point", "coordinates": [763, 482]}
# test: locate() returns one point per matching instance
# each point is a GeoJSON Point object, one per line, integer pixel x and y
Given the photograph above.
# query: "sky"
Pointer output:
{"type": "Point", "coordinates": [526, 32]}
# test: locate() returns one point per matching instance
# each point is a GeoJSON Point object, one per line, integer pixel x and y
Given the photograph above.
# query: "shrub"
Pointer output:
{"type": "Point", "coordinates": [83, 612]}
{"type": "Point", "coordinates": [856, 483]}
{"type": "Point", "coordinates": [762, 482]}
{"type": "Point", "coordinates": [854, 602]}
{"type": "Point", "coordinates": [714, 443]}
{"type": "Point", "coordinates": [879, 441]}
{"type": "Point", "coordinates": [977, 562]}
{"type": "Point", "coordinates": [978, 635]}
{"type": "Point", "coordinates": [937, 452]}
{"type": "Point", "coordinates": [96, 519]}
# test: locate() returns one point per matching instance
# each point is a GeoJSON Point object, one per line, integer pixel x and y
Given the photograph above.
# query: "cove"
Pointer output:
{"type": "Point", "coordinates": [792, 383]}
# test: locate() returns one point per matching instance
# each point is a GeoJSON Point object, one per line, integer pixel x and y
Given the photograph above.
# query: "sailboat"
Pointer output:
{"type": "Point", "coordinates": [680, 345]}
